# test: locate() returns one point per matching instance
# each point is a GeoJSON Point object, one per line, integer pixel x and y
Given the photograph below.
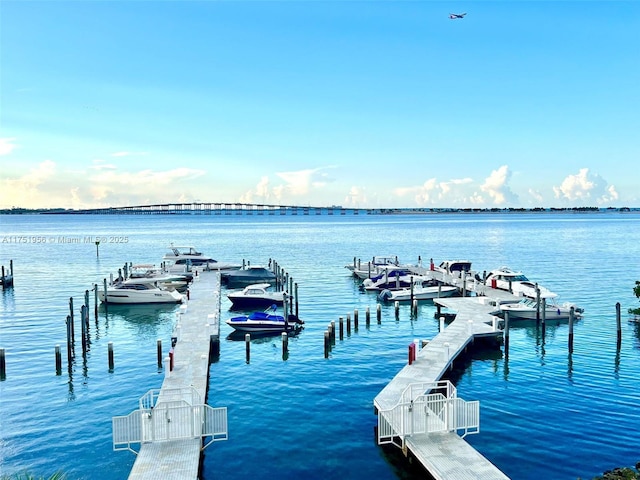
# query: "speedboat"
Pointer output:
{"type": "Point", "coordinates": [389, 279]}
{"type": "Point", "coordinates": [248, 276]}
{"type": "Point", "coordinates": [526, 309]}
{"type": "Point", "coordinates": [265, 322]}
{"type": "Point", "coordinates": [177, 281]}
{"type": "Point", "coordinates": [517, 283]}
{"type": "Point", "coordinates": [374, 267]}
{"type": "Point", "coordinates": [421, 291]}
{"type": "Point", "coordinates": [453, 267]}
{"type": "Point", "coordinates": [139, 291]}
{"type": "Point", "coordinates": [189, 256]}
{"type": "Point", "coordinates": [256, 296]}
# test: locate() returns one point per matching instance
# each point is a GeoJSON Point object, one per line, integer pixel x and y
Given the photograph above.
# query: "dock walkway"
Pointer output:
{"type": "Point", "coordinates": [414, 414]}
{"type": "Point", "coordinates": [172, 422]}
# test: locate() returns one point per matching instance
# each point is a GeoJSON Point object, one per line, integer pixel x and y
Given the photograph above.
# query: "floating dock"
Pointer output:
{"type": "Point", "coordinates": [174, 424]}
{"type": "Point", "coordinates": [423, 415]}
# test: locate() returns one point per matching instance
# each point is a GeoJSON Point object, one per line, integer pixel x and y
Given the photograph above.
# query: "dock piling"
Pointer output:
{"type": "Point", "coordinates": [355, 319]}
{"type": "Point", "coordinates": [327, 342]}
{"type": "Point", "coordinates": [285, 345]}
{"type": "Point", "coordinates": [618, 326]}
{"type": "Point", "coordinates": [247, 346]}
{"type": "Point", "coordinates": [159, 350]}
{"type": "Point", "coordinates": [506, 334]}
{"type": "Point", "coordinates": [58, 360]}
{"type": "Point", "coordinates": [348, 324]}
{"type": "Point", "coordinates": [397, 309]}
{"type": "Point", "coordinates": [110, 355]}
{"type": "Point", "coordinates": [3, 365]}
{"type": "Point", "coordinates": [341, 326]}
{"type": "Point", "coordinates": [571, 314]}
{"type": "Point", "coordinates": [379, 313]}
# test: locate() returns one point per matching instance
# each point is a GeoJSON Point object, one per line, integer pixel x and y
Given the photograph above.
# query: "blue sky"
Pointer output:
{"type": "Point", "coordinates": [356, 103]}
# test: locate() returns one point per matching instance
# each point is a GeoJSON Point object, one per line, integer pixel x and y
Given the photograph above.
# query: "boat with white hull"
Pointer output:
{"type": "Point", "coordinates": [139, 291]}
{"type": "Point", "coordinates": [516, 282]}
{"type": "Point", "coordinates": [526, 309]}
{"type": "Point", "coordinates": [256, 296]}
{"type": "Point", "coordinates": [419, 293]}
{"type": "Point", "coordinates": [181, 258]}
{"type": "Point", "coordinates": [265, 322]}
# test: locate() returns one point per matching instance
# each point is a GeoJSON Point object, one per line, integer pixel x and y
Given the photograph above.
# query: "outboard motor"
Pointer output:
{"type": "Point", "coordinates": [385, 295]}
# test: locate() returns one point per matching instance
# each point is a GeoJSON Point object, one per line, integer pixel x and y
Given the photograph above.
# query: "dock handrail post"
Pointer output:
{"type": "Point", "coordinates": [571, 313]}
{"type": "Point", "coordinates": [618, 326]}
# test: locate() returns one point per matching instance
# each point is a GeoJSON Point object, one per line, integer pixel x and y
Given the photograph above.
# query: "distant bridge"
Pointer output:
{"type": "Point", "coordinates": [201, 208]}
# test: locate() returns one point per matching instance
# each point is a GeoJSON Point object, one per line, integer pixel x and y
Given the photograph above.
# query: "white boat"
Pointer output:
{"type": "Point", "coordinates": [139, 291]}
{"type": "Point", "coordinates": [391, 279]}
{"type": "Point", "coordinates": [265, 322]}
{"type": "Point", "coordinates": [178, 281]}
{"type": "Point", "coordinates": [374, 267]}
{"type": "Point", "coordinates": [258, 295]}
{"type": "Point", "coordinates": [181, 257]}
{"type": "Point", "coordinates": [526, 309]}
{"type": "Point", "coordinates": [453, 267]}
{"type": "Point", "coordinates": [420, 292]}
{"type": "Point", "coordinates": [517, 283]}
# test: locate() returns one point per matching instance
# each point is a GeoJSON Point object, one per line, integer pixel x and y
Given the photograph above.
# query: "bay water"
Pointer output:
{"type": "Point", "coordinates": [544, 413]}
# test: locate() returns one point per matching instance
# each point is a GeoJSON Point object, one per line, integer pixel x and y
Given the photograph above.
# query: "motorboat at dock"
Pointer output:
{"type": "Point", "coordinates": [265, 322]}
{"type": "Point", "coordinates": [423, 290]}
{"type": "Point", "coordinates": [247, 276]}
{"type": "Point", "coordinates": [527, 309]}
{"type": "Point", "coordinates": [517, 283]}
{"type": "Point", "coordinates": [181, 257]}
{"type": "Point", "coordinates": [139, 291]}
{"type": "Point", "coordinates": [257, 295]}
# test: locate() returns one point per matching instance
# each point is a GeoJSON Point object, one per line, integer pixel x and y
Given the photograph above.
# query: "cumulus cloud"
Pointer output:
{"type": "Point", "coordinates": [356, 197]}
{"type": "Point", "coordinates": [496, 186]}
{"type": "Point", "coordinates": [292, 186]}
{"type": "Point", "coordinates": [7, 146]}
{"type": "Point", "coordinates": [25, 191]}
{"type": "Point", "coordinates": [585, 187]}
{"type": "Point", "coordinates": [433, 193]}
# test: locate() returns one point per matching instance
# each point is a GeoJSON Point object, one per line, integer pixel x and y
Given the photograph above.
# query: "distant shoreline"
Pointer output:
{"type": "Point", "coordinates": [302, 210]}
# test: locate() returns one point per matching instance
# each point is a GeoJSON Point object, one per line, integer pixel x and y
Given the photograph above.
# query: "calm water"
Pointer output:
{"type": "Point", "coordinates": [544, 414]}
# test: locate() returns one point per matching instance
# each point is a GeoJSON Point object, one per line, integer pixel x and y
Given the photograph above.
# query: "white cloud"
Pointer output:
{"type": "Point", "coordinates": [7, 146]}
{"type": "Point", "coordinates": [25, 191]}
{"type": "Point", "coordinates": [296, 184]}
{"type": "Point", "coordinates": [356, 197]}
{"type": "Point", "coordinates": [585, 187]}
{"type": "Point", "coordinates": [496, 186]}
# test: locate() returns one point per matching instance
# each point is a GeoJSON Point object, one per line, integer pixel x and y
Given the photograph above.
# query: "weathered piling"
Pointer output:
{"type": "Point", "coordinates": [3, 365]}
{"type": "Point", "coordinates": [571, 314]}
{"type": "Point", "coordinates": [285, 345]}
{"type": "Point", "coordinates": [110, 356]}
{"type": "Point", "coordinates": [95, 300]}
{"type": "Point", "coordinates": [618, 326]}
{"type": "Point", "coordinates": [506, 334]}
{"type": "Point", "coordinates": [348, 324]}
{"type": "Point", "coordinates": [379, 313]}
{"type": "Point", "coordinates": [341, 327]}
{"type": "Point", "coordinates": [327, 342]}
{"type": "Point", "coordinates": [159, 350]}
{"type": "Point", "coordinates": [397, 309]}
{"type": "Point", "coordinates": [355, 319]}
{"type": "Point", "coordinates": [69, 325]}
{"type": "Point", "coordinates": [537, 303]}
{"type": "Point", "coordinates": [58, 360]}
{"type": "Point", "coordinates": [414, 307]}
{"type": "Point", "coordinates": [104, 281]}
{"type": "Point", "coordinates": [367, 316]}
{"type": "Point", "coordinates": [463, 275]}
{"type": "Point", "coordinates": [247, 347]}
{"type": "Point", "coordinates": [333, 332]}
{"type": "Point", "coordinates": [83, 329]}
{"type": "Point", "coordinates": [296, 297]}
{"type": "Point", "coordinates": [73, 333]}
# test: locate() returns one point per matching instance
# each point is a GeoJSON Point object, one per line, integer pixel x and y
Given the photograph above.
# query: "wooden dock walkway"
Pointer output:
{"type": "Point", "coordinates": [413, 412]}
{"type": "Point", "coordinates": [173, 421]}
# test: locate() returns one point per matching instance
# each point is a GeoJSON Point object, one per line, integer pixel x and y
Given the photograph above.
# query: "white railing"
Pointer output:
{"type": "Point", "coordinates": [169, 421]}
{"type": "Point", "coordinates": [420, 412]}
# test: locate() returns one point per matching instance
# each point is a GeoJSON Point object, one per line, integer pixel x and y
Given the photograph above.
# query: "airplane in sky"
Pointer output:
{"type": "Point", "coordinates": [453, 16]}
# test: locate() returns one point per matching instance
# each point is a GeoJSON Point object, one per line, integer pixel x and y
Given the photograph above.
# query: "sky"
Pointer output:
{"type": "Point", "coordinates": [365, 104]}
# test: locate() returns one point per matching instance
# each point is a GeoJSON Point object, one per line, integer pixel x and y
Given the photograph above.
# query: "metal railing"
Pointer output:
{"type": "Point", "coordinates": [174, 419]}
{"type": "Point", "coordinates": [420, 412]}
